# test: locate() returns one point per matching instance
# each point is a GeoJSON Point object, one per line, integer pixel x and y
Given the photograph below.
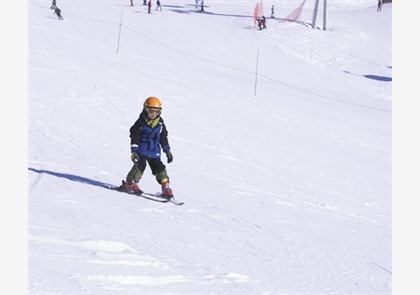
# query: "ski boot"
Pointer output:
{"type": "Point", "coordinates": [131, 187]}
{"type": "Point", "coordinates": [166, 190]}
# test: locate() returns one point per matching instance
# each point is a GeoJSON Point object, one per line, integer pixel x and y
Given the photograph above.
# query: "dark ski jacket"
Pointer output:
{"type": "Point", "coordinates": [150, 136]}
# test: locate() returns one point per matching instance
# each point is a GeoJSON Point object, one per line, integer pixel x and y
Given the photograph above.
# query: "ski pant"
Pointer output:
{"type": "Point", "coordinates": [156, 165]}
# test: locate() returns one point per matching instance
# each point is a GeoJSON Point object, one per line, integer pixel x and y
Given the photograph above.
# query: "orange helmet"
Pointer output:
{"type": "Point", "coordinates": [152, 102]}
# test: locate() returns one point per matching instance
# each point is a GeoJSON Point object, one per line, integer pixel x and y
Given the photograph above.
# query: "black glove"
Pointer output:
{"type": "Point", "coordinates": [135, 157]}
{"type": "Point", "coordinates": [169, 156]}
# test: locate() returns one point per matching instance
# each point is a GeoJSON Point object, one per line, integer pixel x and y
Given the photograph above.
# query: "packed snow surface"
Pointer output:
{"type": "Point", "coordinates": [281, 140]}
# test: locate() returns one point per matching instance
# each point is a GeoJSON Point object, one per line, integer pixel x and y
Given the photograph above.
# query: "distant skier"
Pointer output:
{"type": "Point", "coordinates": [272, 11]}
{"type": "Point", "coordinates": [149, 6]}
{"type": "Point", "coordinates": [148, 136]}
{"type": "Point", "coordinates": [57, 11]}
{"type": "Point", "coordinates": [158, 6]}
{"type": "Point", "coordinates": [131, 3]}
{"type": "Point", "coordinates": [54, 4]}
{"type": "Point", "coordinates": [380, 3]}
{"type": "Point", "coordinates": [259, 23]}
{"type": "Point", "coordinates": [202, 5]}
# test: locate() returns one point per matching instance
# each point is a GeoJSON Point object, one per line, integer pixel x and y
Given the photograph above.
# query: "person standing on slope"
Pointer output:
{"type": "Point", "coordinates": [158, 5]}
{"type": "Point", "coordinates": [57, 11]}
{"type": "Point", "coordinates": [263, 22]}
{"type": "Point", "coordinates": [380, 3]}
{"type": "Point", "coordinates": [149, 6]}
{"type": "Point", "coordinates": [148, 136]}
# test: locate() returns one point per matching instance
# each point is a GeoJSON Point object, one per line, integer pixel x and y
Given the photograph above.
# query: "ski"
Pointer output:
{"type": "Point", "coordinates": [158, 197]}
{"type": "Point", "coordinates": [164, 198]}
{"type": "Point", "coordinates": [176, 202]}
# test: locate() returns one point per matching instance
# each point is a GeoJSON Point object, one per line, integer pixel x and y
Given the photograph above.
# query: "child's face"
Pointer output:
{"type": "Point", "coordinates": [153, 112]}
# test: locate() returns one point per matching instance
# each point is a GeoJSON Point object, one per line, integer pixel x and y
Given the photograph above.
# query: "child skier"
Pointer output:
{"type": "Point", "coordinates": [148, 136]}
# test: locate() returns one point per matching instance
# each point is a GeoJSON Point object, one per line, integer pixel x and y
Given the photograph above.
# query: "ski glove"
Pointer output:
{"type": "Point", "coordinates": [134, 155]}
{"type": "Point", "coordinates": [169, 156]}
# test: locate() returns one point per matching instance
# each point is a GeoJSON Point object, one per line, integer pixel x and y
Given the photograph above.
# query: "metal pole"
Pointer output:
{"type": "Point", "coordinates": [325, 15]}
{"type": "Point", "coordinates": [315, 13]}
{"type": "Point", "coordinates": [256, 73]}
{"type": "Point", "coordinates": [119, 33]}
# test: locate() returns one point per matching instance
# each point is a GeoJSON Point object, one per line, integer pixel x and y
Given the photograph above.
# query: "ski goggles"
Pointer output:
{"type": "Point", "coordinates": [153, 111]}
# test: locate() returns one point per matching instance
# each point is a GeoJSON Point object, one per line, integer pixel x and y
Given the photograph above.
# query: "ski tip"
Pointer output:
{"type": "Point", "coordinates": [172, 200]}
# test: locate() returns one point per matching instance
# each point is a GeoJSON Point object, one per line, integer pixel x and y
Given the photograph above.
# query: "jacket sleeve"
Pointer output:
{"type": "Point", "coordinates": [164, 142]}
{"type": "Point", "coordinates": [135, 132]}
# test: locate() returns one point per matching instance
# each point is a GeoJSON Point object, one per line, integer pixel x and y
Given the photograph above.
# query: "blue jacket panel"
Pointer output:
{"type": "Point", "coordinates": [150, 139]}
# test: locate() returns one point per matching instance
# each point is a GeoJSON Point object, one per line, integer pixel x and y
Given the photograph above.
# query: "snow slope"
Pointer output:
{"type": "Point", "coordinates": [281, 141]}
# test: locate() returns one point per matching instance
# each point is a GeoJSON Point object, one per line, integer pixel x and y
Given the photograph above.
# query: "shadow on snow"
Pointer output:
{"type": "Point", "coordinates": [72, 177]}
